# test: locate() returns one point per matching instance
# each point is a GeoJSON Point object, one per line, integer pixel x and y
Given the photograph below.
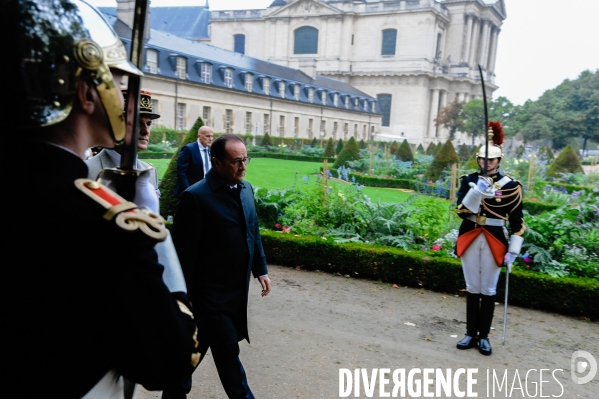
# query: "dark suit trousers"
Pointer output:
{"type": "Point", "coordinates": [230, 371]}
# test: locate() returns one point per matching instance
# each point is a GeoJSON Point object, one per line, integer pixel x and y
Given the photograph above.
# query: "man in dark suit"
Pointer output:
{"type": "Point", "coordinates": [217, 238]}
{"type": "Point", "coordinates": [193, 161]}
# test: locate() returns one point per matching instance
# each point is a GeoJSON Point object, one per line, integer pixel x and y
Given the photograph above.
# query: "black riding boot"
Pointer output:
{"type": "Point", "coordinates": [472, 316]}
{"type": "Point", "coordinates": [487, 308]}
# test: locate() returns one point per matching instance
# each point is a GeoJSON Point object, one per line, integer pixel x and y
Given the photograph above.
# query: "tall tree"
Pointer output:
{"type": "Point", "coordinates": [451, 117]}
{"type": "Point", "coordinates": [474, 119]}
{"type": "Point", "coordinates": [329, 151]}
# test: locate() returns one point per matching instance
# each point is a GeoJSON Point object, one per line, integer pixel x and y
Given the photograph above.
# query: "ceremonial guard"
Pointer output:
{"type": "Point", "coordinates": [85, 304]}
{"type": "Point", "coordinates": [486, 201]}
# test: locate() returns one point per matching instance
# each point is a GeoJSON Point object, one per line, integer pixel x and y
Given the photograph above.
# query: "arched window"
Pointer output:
{"type": "Point", "coordinates": [239, 46]}
{"type": "Point", "coordinates": [306, 40]}
{"type": "Point", "coordinates": [389, 40]}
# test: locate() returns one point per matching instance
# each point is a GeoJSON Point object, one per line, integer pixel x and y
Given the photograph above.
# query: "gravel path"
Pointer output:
{"type": "Point", "coordinates": [313, 323]}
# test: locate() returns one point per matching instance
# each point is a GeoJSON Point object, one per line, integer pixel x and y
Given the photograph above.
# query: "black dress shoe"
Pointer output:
{"type": "Point", "coordinates": [484, 346]}
{"type": "Point", "coordinates": [467, 342]}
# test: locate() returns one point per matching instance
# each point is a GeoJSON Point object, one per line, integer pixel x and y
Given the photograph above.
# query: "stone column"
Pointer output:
{"type": "Point", "coordinates": [484, 44]}
{"type": "Point", "coordinates": [467, 37]}
{"type": "Point", "coordinates": [434, 111]}
{"type": "Point", "coordinates": [474, 43]}
{"type": "Point", "coordinates": [442, 131]}
{"type": "Point", "coordinates": [347, 28]}
{"type": "Point", "coordinates": [271, 51]}
{"type": "Point", "coordinates": [461, 97]}
{"type": "Point", "coordinates": [493, 50]}
{"type": "Point", "coordinates": [322, 37]}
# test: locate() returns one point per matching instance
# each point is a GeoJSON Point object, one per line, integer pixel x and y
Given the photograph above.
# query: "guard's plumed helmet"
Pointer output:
{"type": "Point", "coordinates": [495, 142]}
{"type": "Point", "coordinates": [58, 41]}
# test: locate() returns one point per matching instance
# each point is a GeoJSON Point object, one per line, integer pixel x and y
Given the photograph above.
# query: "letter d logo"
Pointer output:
{"type": "Point", "coordinates": [579, 366]}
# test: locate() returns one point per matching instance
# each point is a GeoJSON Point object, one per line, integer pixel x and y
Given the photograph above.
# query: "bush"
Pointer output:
{"type": "Point", "coordinates": [350, 152]}
{"type": "Point", "coordinates": [393, 148]}
{"type": "Point", "coordinates": [566, 162]}
{"type": "Point", "coordinates": [444, 158]}
{"type": "Point", "coordinates": [266, 141]}
{"type": "Point", "coordinates": [329, 151]}
{"type": "Point", "coordinates": [430, 150]}
{"type": "Point", "coordinates": [362, 145]}
{"type": "Point", "coordinates": [572, 296]}
{"type": "Point", "coordinates": [404, 152]}
{"type": "Point", "coordinates": [168, 201]}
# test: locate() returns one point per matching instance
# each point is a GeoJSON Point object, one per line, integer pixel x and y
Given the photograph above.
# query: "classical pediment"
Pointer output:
{"type": "Point", "coordinates": [303, 8]}
{"type": "Point", "coordinates": [500, 7]}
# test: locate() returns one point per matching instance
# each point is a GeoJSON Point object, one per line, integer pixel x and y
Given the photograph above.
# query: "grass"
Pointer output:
{"type": "Point", "coordinates": [283, 174]}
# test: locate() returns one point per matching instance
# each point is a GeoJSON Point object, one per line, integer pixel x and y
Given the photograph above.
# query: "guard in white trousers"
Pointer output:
{"type": "Point", "coordinates": [486, 201]}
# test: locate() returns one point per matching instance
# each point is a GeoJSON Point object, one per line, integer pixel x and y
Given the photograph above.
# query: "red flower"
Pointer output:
{"type": "Point", "coordinates": [436, 247]}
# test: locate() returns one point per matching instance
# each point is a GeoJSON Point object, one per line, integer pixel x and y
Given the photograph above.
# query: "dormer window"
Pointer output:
{"type": "Point", "coordinates": [311, 94]}
{"type": "Point", "coordinates": [152, 61]}
{"type": "Point", "coordinates": [373, 107]}
{"type": "Point", "coordinates": [346, 101]}
{"type": "Point", "coordinates": [249, 82]}
{"type": "Point", "coordinates": [296, 91]}
{"type": "Point", "coordinates": [336, 99]}
{"type": "Point", "coordinates": [206, 72]}
{"type": "Point", "coordinates": [323, 97]}
{"type": "Point", "coordinates": [266, 86]}
{"type": "Point", "coordinates": [365, 105]}
{"type": "Point", "coordinates": [181, 68]}
{"type": "Point", "coordinates": [356, 103]}
{"type": "Point", "coordinates": [282, 89]}
{"type": "Point", "coordinates": [228, 77]}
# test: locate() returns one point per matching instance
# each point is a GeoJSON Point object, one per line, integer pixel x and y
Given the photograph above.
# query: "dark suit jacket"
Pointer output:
{"type": "Point", "coordinates": [216, 235]}
{"type": "Point", "coordinates": [91, 291]}
{"type": "Point", "coordinates": [190, 167]}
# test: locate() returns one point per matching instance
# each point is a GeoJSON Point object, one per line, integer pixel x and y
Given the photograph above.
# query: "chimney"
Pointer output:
{"type": "Point", "coordinates": [308, 66]}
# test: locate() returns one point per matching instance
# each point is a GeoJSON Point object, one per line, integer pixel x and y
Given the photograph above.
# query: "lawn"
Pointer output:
{"type": "Point", "coordinates": [283, 174]}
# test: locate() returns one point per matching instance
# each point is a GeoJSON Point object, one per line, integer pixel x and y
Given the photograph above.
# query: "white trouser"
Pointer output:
{"type": "Point", "coordinates": [480, 270]}
{"type": "Point", "coordinates": [109, 387]}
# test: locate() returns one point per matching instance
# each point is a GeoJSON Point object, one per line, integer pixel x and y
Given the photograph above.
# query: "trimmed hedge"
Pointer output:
{"type": "Point", "coordinates": [572, 296]}
{"type": "Point", "coordinates": [155, 155]}
{"type": "Point", "coordinates": [291, 157]}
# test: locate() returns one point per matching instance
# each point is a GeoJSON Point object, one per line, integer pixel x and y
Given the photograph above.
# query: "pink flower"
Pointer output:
{"type": "Point", "coordinates": [436, 247]}
{"type": "Point", "coordinates": [278, 226]}
{"type": "Point", "coordinates": [286, 229]}
{"type": "Point", "coordinates": [526, 260]}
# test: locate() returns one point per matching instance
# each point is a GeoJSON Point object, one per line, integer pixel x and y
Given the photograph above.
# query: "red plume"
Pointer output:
{"type": "Point", "coordinates": [497, 132]}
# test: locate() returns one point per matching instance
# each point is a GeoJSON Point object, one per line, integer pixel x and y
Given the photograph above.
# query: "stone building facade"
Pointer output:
{"type": "Point", "coordinates": [413, 56]}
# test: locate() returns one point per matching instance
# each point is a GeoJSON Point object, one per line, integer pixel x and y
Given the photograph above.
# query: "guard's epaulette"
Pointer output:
{"type": "Point", "coordinates": [467, 174]}
{"type": "Point", "coordinates": [126, 214]}
{"type": "Point", "coordinates": [517, 181]}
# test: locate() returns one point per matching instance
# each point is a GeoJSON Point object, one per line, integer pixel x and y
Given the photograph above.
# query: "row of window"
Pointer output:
{"type": "Point", "coordinates": [205, 72]}
{"type": "Point", "coordinates": [249, 127]}
{"type": "Point", "coordinates": [306, 41]}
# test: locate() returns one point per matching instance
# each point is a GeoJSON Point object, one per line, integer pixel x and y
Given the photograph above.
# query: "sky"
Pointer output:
{"type": "Point", "coordinates": [542, 42]}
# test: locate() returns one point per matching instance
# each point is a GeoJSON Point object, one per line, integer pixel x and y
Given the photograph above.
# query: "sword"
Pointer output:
{"type": "Point", "coordinates": [482, 81]}
{"type": "Point", "coordinates": [507, 279]}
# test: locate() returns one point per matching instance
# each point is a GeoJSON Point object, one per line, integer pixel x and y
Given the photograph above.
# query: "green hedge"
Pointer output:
{"type": "Point", "coordinates": [572, 296]}
{"type": "Point", "coordinates": [291, 157]}
{"type": "Point", "coordinates": [535, 207]}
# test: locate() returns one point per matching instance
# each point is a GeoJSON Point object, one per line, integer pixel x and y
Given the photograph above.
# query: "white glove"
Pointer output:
{"type": "Point", "coordinates": [482, 184]}
{"type": "Point", "coordinates": [145, 193]}
{"type": "Point", "coordinates": [509, 259]}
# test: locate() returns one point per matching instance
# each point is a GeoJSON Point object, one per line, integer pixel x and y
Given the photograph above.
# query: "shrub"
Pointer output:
{"type": "Point", "coordinates": [420, 149]}
{"type": "Point", "coordinates": [314, 143]}
{"type": "Point", "coordinates": [393, 148]}
{"type": "Point", "coordinates": [266, 141]}
{"type": "Point", "coordinates": [404, 152]}
{"type": "Point", "coordinates": [339, 147]}
{"type": "Point", "coordinates": [464, 153]}
{"type": "Point", "coordinates": [329, 151]}
{"type": "Point", "coordinates": [168, 201]}
{"type": "Point", "coordinates": [350, 152]}
{"type": "Point", "coordinates": [431, 149]}
{"type": "Point", "coordinates": [444, 158]}
{"type": "Point", "coordinates": [566, 162]}
{"type": "Point", "coordinates": [362, 145]}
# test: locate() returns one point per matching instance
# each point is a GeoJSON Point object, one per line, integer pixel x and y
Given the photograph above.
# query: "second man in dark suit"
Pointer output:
{"type": "Point", "coordinates": [193, 161]}
{"type": "Point", "coordinates": [218, 241]}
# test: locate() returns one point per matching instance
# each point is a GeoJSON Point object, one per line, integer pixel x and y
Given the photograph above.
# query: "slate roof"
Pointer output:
{"type": "Point", "coordinates": [187, 22]}
{"type": "Point", "coordinates": [169, 47]}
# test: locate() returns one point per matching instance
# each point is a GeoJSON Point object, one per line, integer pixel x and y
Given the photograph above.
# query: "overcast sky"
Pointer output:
{"type": "Point", "coordinates": [542, 42]}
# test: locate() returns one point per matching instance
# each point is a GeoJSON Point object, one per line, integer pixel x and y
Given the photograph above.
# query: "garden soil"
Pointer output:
{"type": "Point", "coordinates": [313, 324]}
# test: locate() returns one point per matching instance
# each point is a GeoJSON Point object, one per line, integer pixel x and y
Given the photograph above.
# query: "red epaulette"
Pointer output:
{"type": "Point", "coordinates": [126, 214]}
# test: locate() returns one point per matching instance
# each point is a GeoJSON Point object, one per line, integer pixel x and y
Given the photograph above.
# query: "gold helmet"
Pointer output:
{"type": "Point", "coordinates": [495, 142]}
{"type": "Point", "coordinates": [58, 41]}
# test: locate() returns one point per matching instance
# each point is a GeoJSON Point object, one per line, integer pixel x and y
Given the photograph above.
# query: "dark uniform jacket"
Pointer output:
{"type": "Point", "coordinates": [216, 235]}
{"type": "Point", "coordinates": [82, 296]}
{"type": "Point", "coordinates": [190, 167]}
{"type": "Point", "coordinates": [506, 205]}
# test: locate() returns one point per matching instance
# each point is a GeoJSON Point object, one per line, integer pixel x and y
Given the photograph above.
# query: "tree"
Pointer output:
{"type": "Point", "coordinates": [350, 152]}
{"type": "Point", "coordinates": [474, 119]}
{"type": "Point", "coordinates": [566, 162]}
{"type": "Point", "coordinates": [430, 150]}
{"type": "Point", "coordinates": [329, 151]}
{"type": "Point", "coordinates": [339, 147]}
{"type": "Point", "coordinates": [362, 145]}
{"type": "Point", "coordinates": [168, 201]}
{"type": "Point", "coordinates": [404, 152]}
{"type": "Point", "coordinates": [444, 158]}
{"type": "Point", "coordinates": [314, 143]}
{"type": "Point", "coordinates": [472, 161]}
{"type": "Point", "coordinates": [266, 141]}
{"type": "Point", "coordinates": [420, 149]}
{"type": "Point", "coordinates": [501, 109]}
{"type": "Point", "coordinates": [451, 117]}
{"type": "Point", "coordinates": [463, 152]}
